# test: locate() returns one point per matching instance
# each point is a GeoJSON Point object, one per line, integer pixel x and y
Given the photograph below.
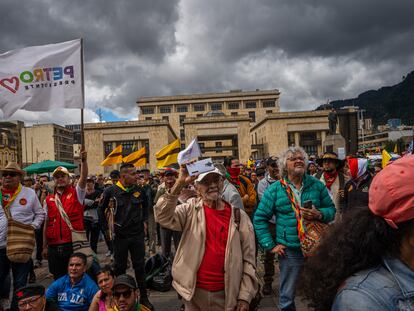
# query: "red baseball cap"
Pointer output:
{"type": "Point", "coordinates": [391, 194]}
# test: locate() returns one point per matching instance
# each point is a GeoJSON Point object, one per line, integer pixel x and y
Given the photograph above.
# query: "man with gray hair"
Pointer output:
{"type": "Point", "coordinates": [276, 202]}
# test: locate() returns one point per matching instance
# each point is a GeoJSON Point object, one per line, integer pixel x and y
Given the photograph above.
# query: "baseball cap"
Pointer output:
{"type": "Point", "coordinates": [168, 171]}
{"type": "Point", "coordinates": [60, 169]}
{"type": "Point", "coordinates": [29, 291]}
{"type": "Point", "coordinates": [391, 192]}
{"type": "Point", "coordinates": [125, 279]}
{"type": "Point", "coordinates": [203, 175]}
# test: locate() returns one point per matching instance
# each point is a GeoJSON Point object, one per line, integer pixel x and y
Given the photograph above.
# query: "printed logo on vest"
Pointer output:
{"type": "Point", "coordinates": [136, 194]}
{"type": "Point", "coordinates": [23, 201]}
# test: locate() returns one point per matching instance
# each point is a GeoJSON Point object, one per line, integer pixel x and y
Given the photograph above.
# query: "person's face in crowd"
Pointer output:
{"type": "Point", "coordinates": [100, 180]}
{"type": "Point", "coordinates": [125, 297]}
{"type": "Point", "coordinates": [90, 184]}
{"type": "Point", "coordinates": [114, 179]}
{"type": "Point", "coordinates": [253, 177]}
{"type": "Point", "coordinates": [105, 282]}
{"type": "Point", "coordinates": [312, 168]}
{"type": "Point", "coordinates": [273, 170]}
{"type": "Point", "coordinates": [28, 183]}
{"type": "Point", "coordinates": [11, 180]}
{"type": "Point", "coordinates": [34, 303]}
{"type": "Point", "coordinates": [169, 180]}
{"type": "Point", "coordinates": [235, 163]}
{"type": "Point", "coordinates": [329, 165]}
{"type": "Point", "coordinates": [295, 164]}
{"type": "Point", "coordinates": [146, 175]}
{"type": "Point", "coordinates": [210, 187]}
{"type": "Point", "coordinates": [129, 176]}
{"type": "Point", "coordinates": [43, 179]}
{"type": "Point", "coordinates": [76, 268]}
{"type": "Point", "coordinates": [61, 180]}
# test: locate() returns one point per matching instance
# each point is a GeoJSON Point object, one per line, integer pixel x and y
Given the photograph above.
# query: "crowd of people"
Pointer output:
{"type": "Point", "coordinates": [340, 230]}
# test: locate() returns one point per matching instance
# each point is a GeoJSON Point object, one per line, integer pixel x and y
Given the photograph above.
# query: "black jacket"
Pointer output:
{"type": "Point", "coordinates": [131, 210]}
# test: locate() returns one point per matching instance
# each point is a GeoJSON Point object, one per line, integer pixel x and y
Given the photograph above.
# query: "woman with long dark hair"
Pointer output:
{"type": "Point", "coordinates": [367, 260]}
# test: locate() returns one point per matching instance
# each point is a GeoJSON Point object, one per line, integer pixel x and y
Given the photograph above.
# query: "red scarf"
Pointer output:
{"type": "Point", "coordinates": [330, 178]}
{"type": "Point", "coordinates": [234, 176]}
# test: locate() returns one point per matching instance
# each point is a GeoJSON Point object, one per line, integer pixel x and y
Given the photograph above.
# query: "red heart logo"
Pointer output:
{"type": "Point", "coordinates": [12, 88]}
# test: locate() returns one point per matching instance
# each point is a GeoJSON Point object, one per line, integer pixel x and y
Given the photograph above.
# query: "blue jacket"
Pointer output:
{"type": "Point", "coordinates": [72, 298]}
{"type": "Point", "coordinates": [276, 202]}
{"type": "Point", "coordinates": [387, 287]}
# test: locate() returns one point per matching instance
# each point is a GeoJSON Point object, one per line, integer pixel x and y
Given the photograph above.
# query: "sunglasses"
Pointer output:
{"type": "Point", "coordinates": [126, 294]}
{"type": "Point", "coordinates": [11, 174]}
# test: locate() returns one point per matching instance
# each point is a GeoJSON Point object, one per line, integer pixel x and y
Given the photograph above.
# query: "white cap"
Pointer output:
{"type": "Point", "coordinates": [60, 169]}
{"type": "Point", "coordinates": [202, 175]}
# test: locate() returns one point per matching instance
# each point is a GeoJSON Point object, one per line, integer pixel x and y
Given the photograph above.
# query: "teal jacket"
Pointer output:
{"type": "Point", "coordinates": [276, 202]}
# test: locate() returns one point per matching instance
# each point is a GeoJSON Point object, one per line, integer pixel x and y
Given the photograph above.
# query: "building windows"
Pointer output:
{"type": "Point", "coordinates": [182, 118]}
{"type": "Point", "coordinates": [166, 118]}
{"type": "Point", "coordinates": [308, 136]}
{"type": "Point", "coordinates": [234, 113]}
{"type": "Point", "coordinates": [165, 109]}
{"type": "Point", "coordinates": [182, 135]}
{"type": "Point", "coordinates": [216, 106]}
{"type": "Point", "coordinates": [269, 103]}
{"type": "Point", "coordinates": [234, 105]}
{"type": "Point", "coordinates": [218, 147]}
{"type": "Point", "coordinates": [199, 107]}
{"type": "Point", "coordinates": [148, 118]}
{"type": "Point", "coordinates": [147, 110]}
{"type": "Point", "coordinates": [182, 108]}
{"type": "Point", "coordinates": [201, 146]}
{"type": "Point", "coordinates": [250, 105]}
{"type": "Point", "coordinates": [199, 115]}
{"type": "Point", "coordinates": [269, 111]}
{"type": "Point", "coordinates": [252, 116]}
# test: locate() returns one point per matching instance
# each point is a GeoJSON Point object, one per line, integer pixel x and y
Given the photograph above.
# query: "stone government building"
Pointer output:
{"type": "Point", "coordinates": [238, 123]}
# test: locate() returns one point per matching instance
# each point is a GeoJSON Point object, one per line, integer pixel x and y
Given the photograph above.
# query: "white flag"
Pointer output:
{"type": "Point", "coordinates": [192, 152]}
{"type": "Point", "coordinates": [40, 78]}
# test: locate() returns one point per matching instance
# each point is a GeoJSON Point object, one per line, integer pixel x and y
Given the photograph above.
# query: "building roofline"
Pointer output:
{"type": "Point", "coordinates": [123, 124]}
{"type": "Point", "coordinates": [290, 115]}
{"type": "Point", "coordinates": [237, 93]}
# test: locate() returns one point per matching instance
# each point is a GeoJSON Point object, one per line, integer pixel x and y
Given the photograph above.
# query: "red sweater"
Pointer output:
{"type": "Point", "coordinates": [210, 275]}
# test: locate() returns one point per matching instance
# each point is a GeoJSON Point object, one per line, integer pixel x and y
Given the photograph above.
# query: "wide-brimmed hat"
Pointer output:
{"type": "Point", "coordinates": [13, 167]}
{"type": "Point", "coordinates": [333, 157]}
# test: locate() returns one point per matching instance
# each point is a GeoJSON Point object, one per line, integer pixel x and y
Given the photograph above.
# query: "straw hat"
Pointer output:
{"type": "Point", "coordinates": [13, 167]}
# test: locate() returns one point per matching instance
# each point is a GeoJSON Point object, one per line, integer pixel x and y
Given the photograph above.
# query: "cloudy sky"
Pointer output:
{"type": "Point", "coordinates": [310, 50]}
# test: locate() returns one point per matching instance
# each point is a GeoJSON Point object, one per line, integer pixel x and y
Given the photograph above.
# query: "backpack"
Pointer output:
{"type": "Point", "coordinates": [158, 273]}
{"type": "Point", "coordinates": [255, 302]}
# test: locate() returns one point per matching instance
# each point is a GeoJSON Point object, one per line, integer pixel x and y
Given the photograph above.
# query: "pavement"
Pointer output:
{"type": "Point", "coordinates": [169, 300]}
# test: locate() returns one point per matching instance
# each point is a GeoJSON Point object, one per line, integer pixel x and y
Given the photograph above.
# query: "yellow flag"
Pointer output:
{"type": "Point", "coordinates": [168, 155]}
{"type": "Point", "coordinates": [396, 148]}
{"type": "Point", "coordinates": [137, 158]}
{"type": "Point", "coordinates": [114, 157]}
{"type": "Point", "coordinates": [386, 157]}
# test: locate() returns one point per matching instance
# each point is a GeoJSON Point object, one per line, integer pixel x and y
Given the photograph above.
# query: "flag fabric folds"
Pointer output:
{"type": "Point", "coordinates": [114, 157]}
{"type": "Point", "coordinates": [357, 166]}
{"type": "Point", "coordinates": [168, 155]}
{"type": "Point", "coordinates": [40, 78]}
{"type": "Point", "coordinates": [137, 158]}
{"type": "Point", "coordinates": [190, 153]}
{"type": "Point", "coordinates": [386, 157]}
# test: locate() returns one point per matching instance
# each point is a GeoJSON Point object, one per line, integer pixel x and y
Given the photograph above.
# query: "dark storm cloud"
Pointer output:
{"type": "Point", "coordinates": [310, 50]}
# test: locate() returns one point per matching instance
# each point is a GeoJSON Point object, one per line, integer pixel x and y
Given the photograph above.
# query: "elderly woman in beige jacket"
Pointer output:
{"type": "Point", "coordinates": [214, 266]}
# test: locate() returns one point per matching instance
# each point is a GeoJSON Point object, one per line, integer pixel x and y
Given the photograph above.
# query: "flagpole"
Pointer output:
{"type": "Point", "coordinates": [83, 97]}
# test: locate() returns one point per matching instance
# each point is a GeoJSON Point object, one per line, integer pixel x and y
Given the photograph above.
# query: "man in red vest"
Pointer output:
{"type": "Point", "coordinates": [57, 246]}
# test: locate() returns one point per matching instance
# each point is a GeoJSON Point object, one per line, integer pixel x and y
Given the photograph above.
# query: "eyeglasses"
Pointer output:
{"type": "Point", "coordinates": [30, 302]}
{"type": "Point", "coordinates": [294, 159]}
{"type": "Point", "coordinates": [11, 174]}
{"type": "Point", "coordinates": [126, 294]}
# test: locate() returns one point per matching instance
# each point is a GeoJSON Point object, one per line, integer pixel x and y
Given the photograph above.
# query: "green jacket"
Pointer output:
{"type": "Point", "coordinates": [276, 202]}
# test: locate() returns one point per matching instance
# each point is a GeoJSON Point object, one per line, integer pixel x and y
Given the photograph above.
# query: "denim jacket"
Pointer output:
{"type": "Point", "coordinates": [389, 286]}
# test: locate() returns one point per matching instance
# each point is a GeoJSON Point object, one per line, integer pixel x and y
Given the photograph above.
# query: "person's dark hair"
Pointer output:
{"type": "Point", "coordinates": [227, 161]}
{"type": "Point", "coordinates": [79, 255]}
{"type": "Point", "coordinates": [114, 174]}
{"type": "Point", "coordinates": [260, 172]}
{"type": "Point", "coordinates": [356, 243]}
{"type": "Point", "coordinates": [125, 166]}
